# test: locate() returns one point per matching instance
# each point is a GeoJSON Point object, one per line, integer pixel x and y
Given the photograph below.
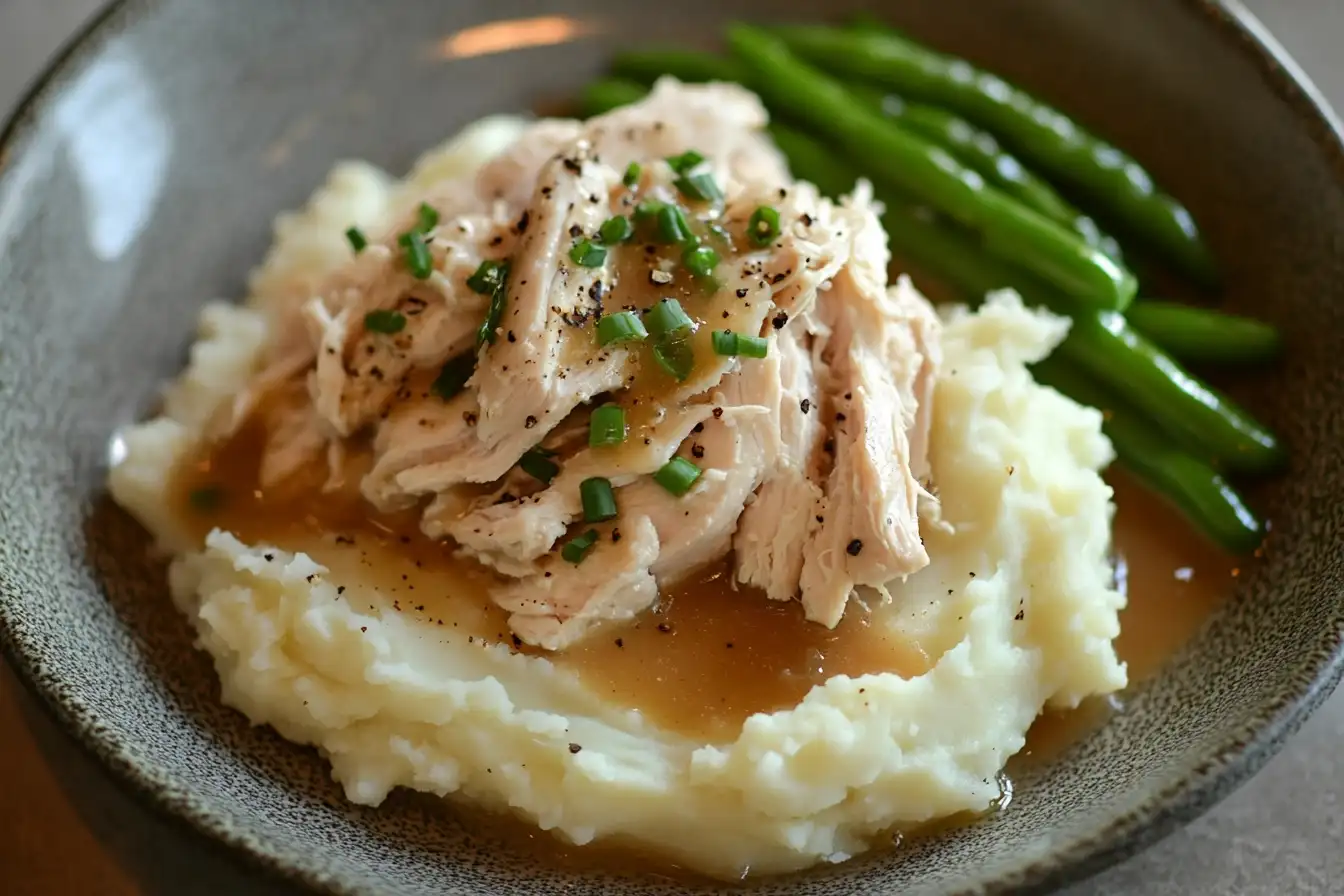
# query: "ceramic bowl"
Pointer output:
{"type": "Point", "coordinates": [139, 178]}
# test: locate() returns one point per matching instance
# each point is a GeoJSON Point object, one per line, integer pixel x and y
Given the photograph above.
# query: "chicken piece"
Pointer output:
{"type": "Point", "coordinates": [723, 122]}
{"type": "Point", "coordinates": [612, 583]}
{"type": "Point", "coordinates": [874, 366]}
{"type": "Point", "coordinates": [733, 451]}
{"type": "Point", "coordinates": [778, 522]}
{"type": "Point", "coordinates": [512, 534]}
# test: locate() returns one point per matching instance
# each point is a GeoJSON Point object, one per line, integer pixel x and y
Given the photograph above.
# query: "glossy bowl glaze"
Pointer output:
{"type": "Point", "coordinates": [139, 180]}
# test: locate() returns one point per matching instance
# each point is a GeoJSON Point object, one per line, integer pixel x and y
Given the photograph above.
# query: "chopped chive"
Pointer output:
{"type": "Point", "coordinates": [699, 187]}
{"type": "Point", "coordinates": [685, 162]}
{"type": "Point", "coordinates": [357, 240]}
{"type": "Point", "coordinates": [418, 259]}
{"type": "Point", "coordinates": [673, 227]}
{"type": "Point", "coordinates": [537, 464]}
{"type": "Point", "coordinates": [667, 318]}
{"type": "Point", "coordinates": [588, 253]}
{"type": "Point", "coordinates": [616, 230]}
{"type": "Point", "coordinates": [579, 546]}
{"type": "Point", "coordinates": [633, 171]}
{"type": "Point", "coordinates": [726, 342]}
{"type": "Point", "coordinates": [621, 327]}
{"type": "Point", "coordinates": [452, 379]}
{"type": "Point", "coordinates": [606, 426]}
{"type": "Point", "coordinates": [599, 501]}
{"type": "Point", "coordinates": [429, 218]}
{"type": "Point", "coordinates": [383, 321]}
{"type": "Point", "coordinates": [488, 277]}
{"type": "Point", "coordinates": [677, 476]}
{"type": "Point", "coordinates": [752, 346]}
{"type": "Point", "coordinates": [206, 498]}
{"type": "Point", "coordinates": [763, 226]}
{"type": "Point", "coordinates": [700, 260]}
{"type": "Point", "coordinates": [648, 209]}
{"type": "Point", "coordinates": [676, 357]}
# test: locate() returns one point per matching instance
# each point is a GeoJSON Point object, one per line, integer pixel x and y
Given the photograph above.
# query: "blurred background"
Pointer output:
{"type": "Point", "coordinates": [65, 829]}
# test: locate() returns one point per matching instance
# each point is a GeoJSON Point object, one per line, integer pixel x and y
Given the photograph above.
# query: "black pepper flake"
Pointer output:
{"type": "Point", "coordinates": [364, 628]}
{"type": "Point", "coordinates": [547, 190]}
{"type": "Point", "coordinates": [340, 589]}
{"type": "Point", "coordinates": [742, 293]}
{"type": "Point", "coordinates": [309, 579]}
{"type": "Point", "coordinates": [697, 451]}
{"type": "Point", "coordinates": [972, 575]}
{"type": "Point", "coordinates": [469, 418]}
{"type": "Point", "coordinates": [725, 315]}
{"type": "Point", "coordinates": [664, 627]}
{"type": "Point", "coordinates": [699, 427]}
{"type": "Point", "coordinates": [820, 518]}
{"type": "Point", "coordinates": [829, 446]}
{"type": "Point", "coordinates": [529, 422]}
{"type": "Point", "coordinates": [511, 337]}
{"type": "Point", "coordinates": [1021, 614]}
{"type": "Point", "coordinates": [269, 557]}
{"type": "Point", "coordinates": [573, 165]}
{"type": "Point", "coordinates": [779, 320]}
{"type": "Point", "coordinates": [854, 547]}
{"type": "Point", "coordinates": [718, 413]}
{"type": "Point", "coordinates": [849, 396]}
{"type": "Point", "coordinates": [620, 642]}
{"type": "Point", "coordinates": [497, 240]}
{"type": "Point", "coordinates": [840, 418]}
{"type": "Point", "coordinates": [517, 641]}
{"type": "Point", "coordinates": [574, 748]}
{"type": "Point", "coordinates": [523, 220]}
{"type": "Point", "coordinates": [575, 231]}
{"type": "Point", "coordinates": [548, 574]}
{"type": "Point", "coordinates": [615, 535]}
{"type": "Point", "coordinates": [806, 219]}
{"type": "Point", "coordinates": [595, 291]}
{"type": "Point", "coordinates": [805, 404]}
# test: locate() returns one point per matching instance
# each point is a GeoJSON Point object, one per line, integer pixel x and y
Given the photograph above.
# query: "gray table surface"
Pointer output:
{"type": "Point", "coordinates": [1281, 834]}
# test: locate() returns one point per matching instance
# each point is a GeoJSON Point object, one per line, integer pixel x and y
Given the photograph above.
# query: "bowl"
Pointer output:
{"type": "Point", "coordinates": [138, 180]}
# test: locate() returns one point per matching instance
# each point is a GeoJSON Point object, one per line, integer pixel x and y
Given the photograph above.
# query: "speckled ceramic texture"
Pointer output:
{"type": "Point", "coordinates": [139, 181]}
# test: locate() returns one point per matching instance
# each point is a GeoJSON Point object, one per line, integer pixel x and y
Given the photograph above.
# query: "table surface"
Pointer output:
{"type": "Point", "coordinates": [64, 828]}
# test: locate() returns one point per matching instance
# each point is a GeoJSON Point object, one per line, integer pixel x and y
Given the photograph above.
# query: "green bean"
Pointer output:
{"type": "Point", "coordinates": [1046, 138]}
{"type": "Point", "coordinates": [930, 173]}
{"type": "Point", "coordinates": [1203, 495]}
{"type": "Point", "coordinates": [980, 151]}
{"type": "Point", "coordinates": [608, 93]}
{"type": "Point", "coordinates": [651, 63]}
{"type": "Point", "coordinates": [1202, 336]}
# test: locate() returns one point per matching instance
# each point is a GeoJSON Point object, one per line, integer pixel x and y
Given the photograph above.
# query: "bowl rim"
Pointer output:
{"type": "Point", "coordinates": [1238, 756]}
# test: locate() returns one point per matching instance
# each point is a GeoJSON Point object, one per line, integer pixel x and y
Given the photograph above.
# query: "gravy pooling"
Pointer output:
{"type": "Point", "coordinates": [713, 653]}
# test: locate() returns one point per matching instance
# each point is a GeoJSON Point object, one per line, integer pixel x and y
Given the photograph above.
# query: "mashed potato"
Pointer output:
{"type": "Point", "coordinates": [1017, 611]}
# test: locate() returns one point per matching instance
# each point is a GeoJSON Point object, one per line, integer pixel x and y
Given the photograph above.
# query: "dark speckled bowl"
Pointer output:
{"type": "Point", "coordinates": [140, 177]}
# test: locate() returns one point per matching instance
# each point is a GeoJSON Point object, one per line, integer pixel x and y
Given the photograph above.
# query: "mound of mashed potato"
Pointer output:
{"type": "Point", "coordinates": [1016, 610]}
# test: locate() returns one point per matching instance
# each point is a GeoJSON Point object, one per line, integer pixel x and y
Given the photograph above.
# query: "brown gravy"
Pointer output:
{"type": "Point", "coordinates": [712, 654]}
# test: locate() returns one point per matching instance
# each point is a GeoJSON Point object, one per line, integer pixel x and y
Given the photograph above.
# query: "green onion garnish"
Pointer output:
{"type": "Point", "coordinates": [452, 379]}
{"type": "Point", "coordinates": [726, 342]}
{"type": "Point", "coordinates": [632, 174]}
{"type": "Point", "coordinates": [357, 240]}
{"type": "Point", "coordinates": [699, 187]}
{"type": "Point", "coordinates": [673, 227]}
{"type": "Point", "coordinates": [685, 162]}
{"type": "Point", "coordinates": [621, 327]}
{"type": "Point", "coordinates": [488, 277]}
{"type": "Point", "coordinates": [616, 230]}
{"type": "Point", "coordinates": [537, 464]}
{"type": "Point", "coordinates": [763, 226]}
{"type": "Point", "coordinates": [588, 253]}
{"type": "Point", "coordinates": [677, 476]}
{"type": "Point", "coordinates": [382, 321]}
{"type": "Point", "coordinates": [606, 426]}
{"type": "Point", "coordinates": [700, 260]}
{"type": "Point", "coordinates": [599, 501]}
{"type": "Point", "coordinates": [579, 546]}
{"type": "Point", "coordinates": [429, 218]}
{"type": "Point", "coordinates": [418, 259]}
{"type": "Point", "coordinates": [675, 357]}
{"type": "Point", "coordinates": [649, 208]}
{"type": "Point", "coordinates": [667, 318]}
{"type": "Point", "coordinates": [206, 498]}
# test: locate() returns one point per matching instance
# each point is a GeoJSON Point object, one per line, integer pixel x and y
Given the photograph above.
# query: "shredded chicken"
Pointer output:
{"type": "Point", "coordinates": [810, 460]}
